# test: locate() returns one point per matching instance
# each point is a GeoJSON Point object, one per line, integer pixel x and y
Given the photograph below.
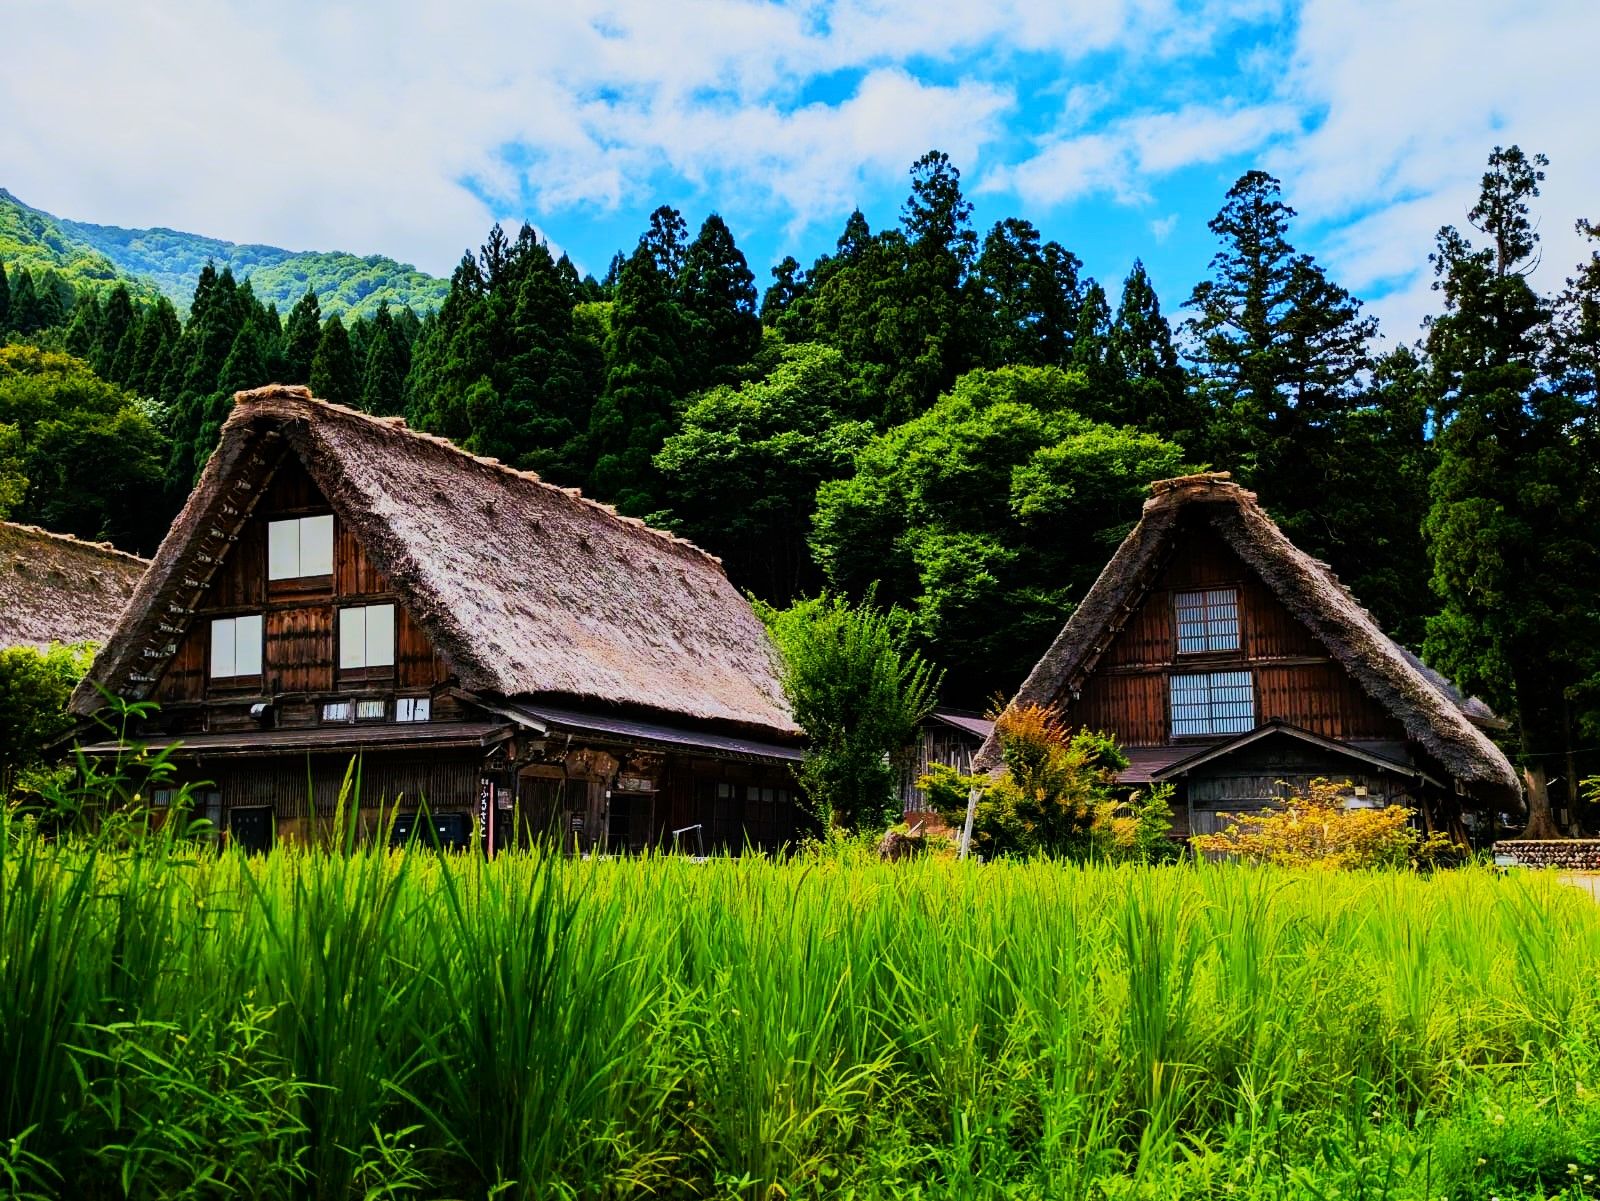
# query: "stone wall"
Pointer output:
{"type": "Point", "coordinates": [1568, 854]}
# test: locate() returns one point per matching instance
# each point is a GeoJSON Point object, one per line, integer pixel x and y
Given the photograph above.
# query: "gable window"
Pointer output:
{"type": "Point", "coordinates": [235, 647]}
{"type": "Point", "coordinates": [1213, 702]}
{"type": "Point", "coordinates": [300, 547]}
{"type": "Point", "coordinates": [366, 636]}
{"type": "Point", "coordinates": [1208, 621]}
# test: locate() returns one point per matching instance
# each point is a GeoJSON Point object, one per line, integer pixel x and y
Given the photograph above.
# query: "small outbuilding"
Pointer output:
{"type": "Point", "coordinates": [56, 588]}
{"type": "Point", "coordinates": [950, 737]}
{"type": "Point", "coordinates": [1231, 664]}
{"type": "Point", "coordinates": [515, 658]}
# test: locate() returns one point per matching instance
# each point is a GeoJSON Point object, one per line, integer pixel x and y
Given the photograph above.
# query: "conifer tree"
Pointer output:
{"type": "Point", "coordinates": [5, 301]}
{"type": "Point", "coordinates": [83, 331]}
{"type": "Point", "coordinates": [666, 241]}
{"type": "Point", "coordinates": [1282, 360]}
{"type": "Point", "coordinates": [116, 319]}
{"type": "Point", "coordinates": [158, 333]}
{"type": "Point", "coordinates": [53, 296]}
{"type": "Point", "coordinates": [246, 364]}
{"type": "Point", "coordinates": [634, 414]}
{"type": "Point", "coordinates": [333, 367]}
{"type": "Point", "coordinates": [787, 283]}
{"type": "Point", "coordinates": [1141, 346]}
{"type": "Point", "coordinates": [1511, 531]}
{"type": "Point", "coordinates": [1092, 355]}
{"type": "Point", "coordinates": [24, 304]}
{"type": "Point", "coordinates": [718, 291]}
{"type": "Point", "coordinates": [383, 377]}
{"type": "Point", "coordinates": [243, 369]}
{"type": "Point", "coordinates": [1028, 296]}
{"type": "Point", "coordinates": [301, 334]}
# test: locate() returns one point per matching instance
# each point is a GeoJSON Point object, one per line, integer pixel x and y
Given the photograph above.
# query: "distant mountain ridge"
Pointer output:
{"type": "Point", "coordinates": [169, 261]}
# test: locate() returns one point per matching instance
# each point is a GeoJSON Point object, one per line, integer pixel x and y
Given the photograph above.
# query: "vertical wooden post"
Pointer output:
{"type": "Point", "coordinates": [966, 830]}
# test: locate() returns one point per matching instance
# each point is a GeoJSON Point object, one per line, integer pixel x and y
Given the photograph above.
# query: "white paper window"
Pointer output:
{"type": "Point", "coordinates": [235, 647]}
{"type": "Point", "coordinates": [370, 710]}
{"type": "Point", "coordinates": [336, 711]}
{"type": "Point", "coordinates": [1213, 702]}
{"type": "Point", "coordinates": [412, 708]}
{"type": "Point", "coordinates": [300, 547]}
{"type": "Point", "coordinates": [1208, 621]}
{"type": "Point", "coordinates": [366, 636]}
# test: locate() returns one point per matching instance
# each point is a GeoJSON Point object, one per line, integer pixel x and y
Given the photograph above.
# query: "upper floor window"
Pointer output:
{"type": "Point", "coordinates": [1208, 621]}
{"type": "Point", "coordinates": [1213, 702]}
{"type": "Point", "coordinates": [235, 647]}
{"type": "Point", "coordinates": [366, 636]}
{"type": "Point", "coordinates": [412, 708]}
{"type": "Point", "coordinates": [300, 547]}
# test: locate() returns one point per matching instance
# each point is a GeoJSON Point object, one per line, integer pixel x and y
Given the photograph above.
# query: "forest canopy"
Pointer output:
{"type": "Point", "coordinates": [959, 422]}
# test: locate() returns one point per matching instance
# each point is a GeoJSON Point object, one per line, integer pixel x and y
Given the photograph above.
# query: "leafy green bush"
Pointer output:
{"type": "Point", "coordinates": [1056, 796]}
{"type": "Point", "coordinates": [858, 691]}
{"type": "Point", "coordinates": [34, 688]}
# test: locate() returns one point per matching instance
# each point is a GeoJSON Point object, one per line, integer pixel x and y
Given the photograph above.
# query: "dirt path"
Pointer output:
{"type": "Point", "coordinates": [1588, 881]}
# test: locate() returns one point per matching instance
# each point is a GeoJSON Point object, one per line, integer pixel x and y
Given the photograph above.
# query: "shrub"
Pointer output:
{"type": "Point", "coordinates": [34, 688]}
{"type": "Point", "coordinates": [859, 692]}
{"type": "Point", "coordinates": [1056, 796]}
{"type": "Point", "coordinates": [1316, 829]}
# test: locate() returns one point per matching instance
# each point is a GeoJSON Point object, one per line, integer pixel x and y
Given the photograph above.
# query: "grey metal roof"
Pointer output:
{"type": "Point", "coordinates": [345, 739]}
{"type": "Point", "coordinates": [557, 719]}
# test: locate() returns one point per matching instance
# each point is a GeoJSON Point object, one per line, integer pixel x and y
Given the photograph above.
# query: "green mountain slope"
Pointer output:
{"type": "Point", "coordinates": [170, 260]}
{"type": "Point", "coordinates": [35, 240]}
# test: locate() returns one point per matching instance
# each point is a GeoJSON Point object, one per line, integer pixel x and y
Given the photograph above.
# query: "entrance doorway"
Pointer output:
{"type": "Point", "coordinates": [252, 829]}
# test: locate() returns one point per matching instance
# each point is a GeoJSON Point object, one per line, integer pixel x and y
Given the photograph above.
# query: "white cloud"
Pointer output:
{"type": "Point", "coordinates": [316, 125]}
{"type": "Point", "coordinates": [1412, 98]}
{"type": "Point", "coordinates": [1124, 157]}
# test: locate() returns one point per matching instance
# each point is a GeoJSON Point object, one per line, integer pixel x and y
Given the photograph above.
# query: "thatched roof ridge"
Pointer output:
{"type": "Point", "coordinates": [57, 588]}
{"type": "Point", "coordinates": [523, 586]}
{"type": "Point", "coordinates": [1437, 717]}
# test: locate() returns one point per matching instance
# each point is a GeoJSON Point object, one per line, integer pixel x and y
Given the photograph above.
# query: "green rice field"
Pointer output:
{"type": "Point", "coordinates": [178, 1023]}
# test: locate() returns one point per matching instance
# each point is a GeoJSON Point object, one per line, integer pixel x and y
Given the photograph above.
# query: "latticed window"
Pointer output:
{"type": "Point", "coordinates": [1208, 621]}
{"type": "Point", "coordinates": [1213, 702]}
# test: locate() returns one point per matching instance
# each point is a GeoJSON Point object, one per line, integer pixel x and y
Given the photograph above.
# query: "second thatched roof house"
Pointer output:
{"type": "Point", "coordinates": [55, 588]}
{"type": "Point", "coordinates": [515, 656]}
{"type": "Point", "coordinates": [1230, 663]}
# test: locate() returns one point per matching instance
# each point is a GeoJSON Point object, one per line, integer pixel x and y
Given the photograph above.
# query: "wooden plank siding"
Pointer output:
{"type": "Point", "coordinates": [297, 786]}
{"type": "Point", "coordinates": [1296, 680]}
{"type": "Point", "coordinates": [299, 616]}
{"type": "Point", "coordinates": [299, 651]}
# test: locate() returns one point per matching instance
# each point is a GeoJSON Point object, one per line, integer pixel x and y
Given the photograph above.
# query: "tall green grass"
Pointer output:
{"type": "Point", "coordinates": [176, 1022]}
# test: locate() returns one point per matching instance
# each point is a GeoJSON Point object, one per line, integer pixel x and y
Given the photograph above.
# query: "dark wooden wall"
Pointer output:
{"type": "Point", "coordinates": [1296, 680]}
{"type": "Point", "coordinates": [299, 786]}
{"type": "Point", "coordinates": [299, 616]}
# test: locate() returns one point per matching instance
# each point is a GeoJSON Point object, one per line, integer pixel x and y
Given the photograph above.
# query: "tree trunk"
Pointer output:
{"type": "Point", "coordinates": [1541, 822]}
{"type": "Point", "coordinates": [1573, 824]}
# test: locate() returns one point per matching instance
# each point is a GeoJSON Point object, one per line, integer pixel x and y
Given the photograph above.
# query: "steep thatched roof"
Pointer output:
{"type": "Point", "coordinates": [1435, 715]}
{"type": "Point", "coordinates": [524, 587]}
{"type": "Point", "coordinates": [54, 588]}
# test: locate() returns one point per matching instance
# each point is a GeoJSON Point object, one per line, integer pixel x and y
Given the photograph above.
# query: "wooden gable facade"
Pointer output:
{"type": "Point", "coordinates": [299, 617]}
{"type": "Point", "coordinates": [1230, 664]}
{"type": "Point", "coordinates": [293, 664]}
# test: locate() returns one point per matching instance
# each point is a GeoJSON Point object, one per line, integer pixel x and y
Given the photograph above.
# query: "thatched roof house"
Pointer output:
{"type": "Point", "coordinates": [511, 601]}
{"type": "Point", "coordinates": [1208, 625]}
{"type": "Point", "coordinates": [55, 588]}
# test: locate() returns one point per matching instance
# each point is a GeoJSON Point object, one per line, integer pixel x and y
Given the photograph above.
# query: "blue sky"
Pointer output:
{"type": "Point", "coordinates": [1114, 125]}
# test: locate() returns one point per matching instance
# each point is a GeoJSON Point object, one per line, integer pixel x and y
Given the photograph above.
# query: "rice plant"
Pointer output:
{"type": "Point", "coordinates": [364, 1022]}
